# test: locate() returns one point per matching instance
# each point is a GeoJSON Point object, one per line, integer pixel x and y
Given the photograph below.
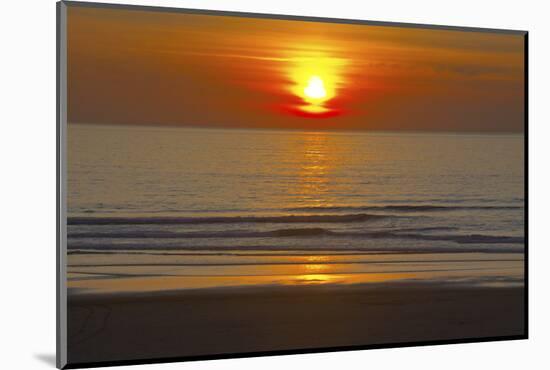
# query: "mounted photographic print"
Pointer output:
{"type": "Point", "coordinates": [234, 184]}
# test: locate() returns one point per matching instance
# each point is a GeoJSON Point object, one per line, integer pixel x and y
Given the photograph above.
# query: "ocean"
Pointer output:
{"type": "Point", "coordinates": [161, 208]}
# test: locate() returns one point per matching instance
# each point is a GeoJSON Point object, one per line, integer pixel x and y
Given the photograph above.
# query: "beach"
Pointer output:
{"type": "Point", "coordinates": [289, 240]}
{"type": "Point", "coordinates": [111, 327]}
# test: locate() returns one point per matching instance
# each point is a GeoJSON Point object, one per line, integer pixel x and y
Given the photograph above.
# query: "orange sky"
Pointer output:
{"type": "Point", "coordinates": [143, 67]}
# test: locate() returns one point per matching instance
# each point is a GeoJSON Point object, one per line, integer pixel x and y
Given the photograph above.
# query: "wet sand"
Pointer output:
{"type": "Point", "coordinates": [111, 327]}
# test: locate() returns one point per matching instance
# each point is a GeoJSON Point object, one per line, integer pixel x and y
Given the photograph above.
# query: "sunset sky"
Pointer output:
{"type": "Point", "coordinates": [159, 68]}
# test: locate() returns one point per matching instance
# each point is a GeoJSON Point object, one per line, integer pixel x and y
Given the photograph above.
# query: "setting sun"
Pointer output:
{"type": "Point", "coordinates": [315, 88]}
{"type": "Point", "coordinates": [316, 80]}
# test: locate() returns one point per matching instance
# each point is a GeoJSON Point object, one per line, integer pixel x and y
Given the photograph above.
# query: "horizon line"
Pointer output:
{"type": "Point", "coordinates": [248, 128]}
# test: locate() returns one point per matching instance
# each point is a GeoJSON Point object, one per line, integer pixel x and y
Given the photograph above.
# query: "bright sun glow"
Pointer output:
{"type": "Point", "coordinates": [316, 80]}
{"type": "Point", "coordinates": [315, 88]}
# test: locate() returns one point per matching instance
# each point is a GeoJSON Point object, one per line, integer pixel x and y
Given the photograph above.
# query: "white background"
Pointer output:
{"type": "Point", "coordinates": [27, 210]}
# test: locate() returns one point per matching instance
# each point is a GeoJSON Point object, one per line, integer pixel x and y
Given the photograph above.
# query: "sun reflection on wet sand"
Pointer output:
{"type": "Point", "coordinates": [318, 279]}
{"type": "Point", "coordinates": [168, 273]}
{"type": "Point", "coordinates": [314, 279]}
{"type": "Point", "coordinates": [174, 283]}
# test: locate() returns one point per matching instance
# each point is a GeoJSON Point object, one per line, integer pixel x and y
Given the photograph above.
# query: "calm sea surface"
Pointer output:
{"type": "Point", "coordinates": [209, 208]}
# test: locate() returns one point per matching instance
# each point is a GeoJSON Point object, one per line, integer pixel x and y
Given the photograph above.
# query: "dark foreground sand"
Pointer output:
{"type": "Point", "coordinates": [191, 323]}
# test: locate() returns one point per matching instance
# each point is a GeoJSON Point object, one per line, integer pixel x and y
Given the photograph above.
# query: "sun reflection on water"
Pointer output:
{"type": "Point", "coordinates": [318, 258]}
{"type": "Point", "coordinates": [316, 268]}
{"type": "Point", "coordinates": [313, 175]}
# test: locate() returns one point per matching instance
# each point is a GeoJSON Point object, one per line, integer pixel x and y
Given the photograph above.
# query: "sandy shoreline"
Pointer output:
{"type": "Point", "coordinates": [211, 321]}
